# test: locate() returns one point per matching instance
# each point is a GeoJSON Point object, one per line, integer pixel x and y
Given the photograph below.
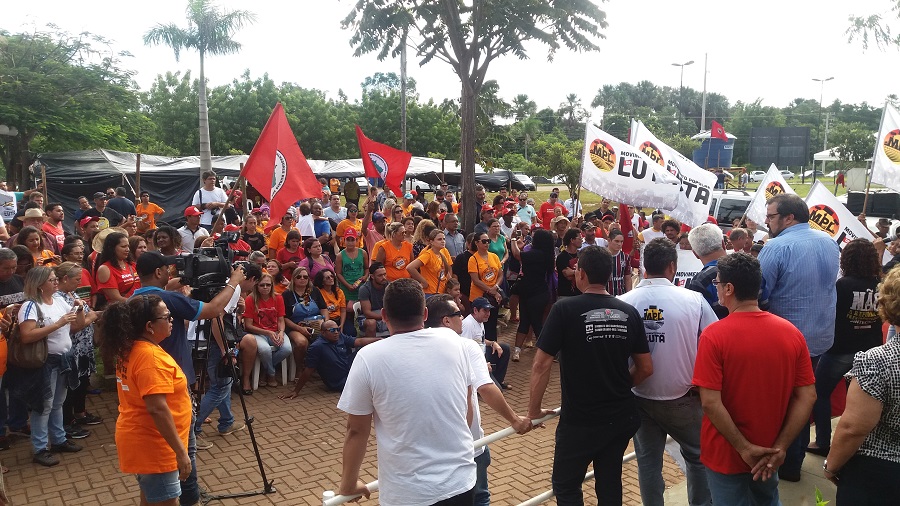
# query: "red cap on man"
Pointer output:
{"type": "Point", "coordinates": [192, 211]}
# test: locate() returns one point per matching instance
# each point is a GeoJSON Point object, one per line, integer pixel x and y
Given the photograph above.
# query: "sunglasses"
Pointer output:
{"type": "Point", "coordinates": [331, 329]}
{"type": "Point", "coordinates": [264, 285]}
{"type": "Point", "coordinates": [301, 276]}
{"type": "Point", "coordinates": [454, 314]}
{"type": "Point", "coordinates": [398, 211]}
{"type": "Point", "coordinates": [484, 241]}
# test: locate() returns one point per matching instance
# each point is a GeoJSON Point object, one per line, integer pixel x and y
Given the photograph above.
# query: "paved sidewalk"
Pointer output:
{"type": "Point", "coordinates": [300, 442]}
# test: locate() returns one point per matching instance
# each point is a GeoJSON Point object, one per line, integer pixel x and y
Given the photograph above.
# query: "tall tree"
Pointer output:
{"type": "Point", "coordinates": [523, 107]}
{"type": "Point", "coordinates": [209, 31]}
{"type": "Point", "coordinates": [469, 35]}
{"type": "Point", "coordinates": [60, 92]}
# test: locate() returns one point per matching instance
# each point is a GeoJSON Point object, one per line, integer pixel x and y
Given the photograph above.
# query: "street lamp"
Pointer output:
{"type": "Point", "coordinates": [821, 97]}
{"type": "Point", "coordinates": [681, 91]}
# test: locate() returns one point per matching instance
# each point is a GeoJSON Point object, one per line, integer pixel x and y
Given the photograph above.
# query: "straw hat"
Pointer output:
{"type": "Point", "coordinates": [97, 242]}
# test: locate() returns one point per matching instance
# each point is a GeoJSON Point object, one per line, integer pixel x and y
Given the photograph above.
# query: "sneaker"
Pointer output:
{"type": "Point", "coordinates": [75, 431]}
{"type": "Point", "coordinates": [24, 431]}
{"type": "Point", "coordinates": [45, 458]}
{"type": "Point", "coordinates": [88, 419]}
{"type": "Point", "coordinates": [67, 447]}
{"type": "Point", "coordinates": [233, 428]}
{"type": "Point", "coordinates": [516, 352]}
{"type": "Point", "coordinates": [202, 443]}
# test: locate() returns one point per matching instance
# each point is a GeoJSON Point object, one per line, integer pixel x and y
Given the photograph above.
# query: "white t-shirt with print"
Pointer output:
{"type": "Point", "coordinates": [59, 341]}
{"type": "Point", "coordinates": [215, 195]}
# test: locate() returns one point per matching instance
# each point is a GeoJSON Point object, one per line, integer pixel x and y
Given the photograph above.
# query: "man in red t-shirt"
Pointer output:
{"type": "Point", "coordinates": [546, 212]}
{"type": "Point", "coordinates": [756, 386]}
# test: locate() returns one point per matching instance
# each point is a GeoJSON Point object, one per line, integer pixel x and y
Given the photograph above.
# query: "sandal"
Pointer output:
{"type": "Point", "coordinates": [272, 383]}
{"type": "Point", "coordinates": [247, 391]}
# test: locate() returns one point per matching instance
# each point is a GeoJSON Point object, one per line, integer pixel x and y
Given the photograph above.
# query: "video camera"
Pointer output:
{"type": "Point", "coordinates": [207, 268]}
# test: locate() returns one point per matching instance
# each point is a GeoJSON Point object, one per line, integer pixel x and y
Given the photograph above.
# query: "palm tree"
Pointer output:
{"type": "Point", "coordinates": [209, 31]}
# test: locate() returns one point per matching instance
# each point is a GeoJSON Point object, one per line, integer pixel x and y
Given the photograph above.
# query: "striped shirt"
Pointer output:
{"type": "Point", "coordinates": [799, 268]}
{"type": "Point", "coordinates": [621, 267]}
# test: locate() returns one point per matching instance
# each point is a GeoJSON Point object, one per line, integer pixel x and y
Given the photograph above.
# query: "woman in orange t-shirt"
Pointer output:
{"type": "Point", "coordinates": [154, 404]}
{"type": "Point", "coordinates": [432, 268]}
{"type": "Point", "coordinates": [394, 252]}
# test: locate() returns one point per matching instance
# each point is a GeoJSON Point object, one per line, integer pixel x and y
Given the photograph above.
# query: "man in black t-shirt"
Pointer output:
{"type": "Point", "coordinates": [594, 334]}
{"type": "Point", "coordinates": [565, 263]}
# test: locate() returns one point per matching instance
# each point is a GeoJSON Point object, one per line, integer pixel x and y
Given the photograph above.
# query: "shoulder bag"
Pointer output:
{"type": "Point", "coordinates": [27, 355]}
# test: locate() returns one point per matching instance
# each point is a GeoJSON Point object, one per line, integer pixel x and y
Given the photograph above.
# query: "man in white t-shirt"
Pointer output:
{"type": "Point", "coordinates": [192, 230]}
{"type": "Point", "coordinates": [443, 312]}
{"type": "Point", "coordinates": [495, 353]}
{"type": "Point", "coordinates": [210, 199]}
{"type": "Point", "coordinates": [674, 317]}
{"type": "Point", "coordinates": [410, 405]}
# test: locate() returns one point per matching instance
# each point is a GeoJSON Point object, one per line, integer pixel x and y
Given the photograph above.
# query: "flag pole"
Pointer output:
{"type": "Point", "coordinates": [874, 155]}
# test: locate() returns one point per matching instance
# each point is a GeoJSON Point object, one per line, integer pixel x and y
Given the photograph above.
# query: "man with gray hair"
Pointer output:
{"type": "Point", "coordinates": [706, 243]}
{"type": "Point", "coordinates": [799, 266]}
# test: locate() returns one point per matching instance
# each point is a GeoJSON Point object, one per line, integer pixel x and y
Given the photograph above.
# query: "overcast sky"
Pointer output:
{"type": "Point", "coordinates": [767, 49]}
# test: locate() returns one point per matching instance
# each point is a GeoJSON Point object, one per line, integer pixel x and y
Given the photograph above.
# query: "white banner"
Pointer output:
{"type": "Point", "coordinates": [697, 184]}
{"type": "Point", "coordinates": [688, 267]}
{"type": "Point", "coordinates": [8, 205]}
{"type": "Point", "coordinates": [773, 184]}
{"type": "Point", "coordinates": [618, 171]}
{"type": "Point", "coordinates": [828, 214]}
{"type": "Point", "coordinates": [886, 163]}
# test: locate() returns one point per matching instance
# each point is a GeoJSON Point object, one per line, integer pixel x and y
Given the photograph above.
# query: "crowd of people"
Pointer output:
{"type": "Point", "coordinates": [345, 287]}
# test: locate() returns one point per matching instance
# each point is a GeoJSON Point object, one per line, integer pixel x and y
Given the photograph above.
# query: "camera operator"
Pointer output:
{"type": "Point", "coordinates": [152, 268]}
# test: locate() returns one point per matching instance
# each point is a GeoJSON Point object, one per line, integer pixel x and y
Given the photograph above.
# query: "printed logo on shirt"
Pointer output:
{"type": "Point", "coordinates": [605, 324]}
{"type": "Point", "coordinates": [653, 322]}
{"type": "Point", "coordinates": [863, 309]}
{"type": "Point", "coordinates": [400, 263]}
{"type": "Point", "coordinates": [489, 274]}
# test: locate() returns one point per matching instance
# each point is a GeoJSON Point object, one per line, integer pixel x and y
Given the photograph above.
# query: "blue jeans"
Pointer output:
{"type": "Point", "coordinates": [829, 372]}
{"type": "Point", "coordinates": [269, 355]}
{"type": "Point", "coordinates": [190, 489]}
{"type": "Point", "coordinates": [482, 494]}
{"type": "Point", "coordinates": [47, 425]}
{"type": "Point", "coordinates": [159, 487]}
{"type": "Point", "coordinates": [218, 395]}
{"type": "Point", "coordinates": [796, 451]}
{"type": "Point", "coordinates": [741, 490]}
{"type": "Point", "coordinates": [680, 418]}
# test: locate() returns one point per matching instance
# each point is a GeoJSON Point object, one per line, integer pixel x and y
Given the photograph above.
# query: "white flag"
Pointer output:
{"type": "Point", "coordinates": [886, 163]}
{"type": "Point", "coordinates": [773, 184]}
{"type": "Point", "coordinates": [616, 170]}
{"type": "Point", "coordinates": [697, 184]}
{"type": "Point", "coordinates": [828, 214]}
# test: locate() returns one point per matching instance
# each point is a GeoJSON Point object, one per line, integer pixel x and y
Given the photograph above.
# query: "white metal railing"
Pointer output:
{"type": "Point", "coordinates": [330, 499]}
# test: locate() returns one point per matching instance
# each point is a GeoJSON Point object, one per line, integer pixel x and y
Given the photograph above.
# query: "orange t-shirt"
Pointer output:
{"type": "Point", "coordinates": [148, 212]}
{"type": "Point", "coordinates": [487, 271]}
{"type": "Point", "coordinates": [45, 258]}
{"type": "Point", "coordinates": [395, 260]}
{"type": "Point", "coordinates": [149, 370]}
{"type": "Point", "coordinates": [435, 271]}
{"type": "Point", "coordinates": [343, 226]}
{"type": "Point", "coordinates": [339, 302]}
{"type": "Point", "coordinates": [276, 241]}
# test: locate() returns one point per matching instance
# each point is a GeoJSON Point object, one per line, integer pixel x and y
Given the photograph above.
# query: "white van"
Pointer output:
{"type": "Point", "coordinates": [729, 205]}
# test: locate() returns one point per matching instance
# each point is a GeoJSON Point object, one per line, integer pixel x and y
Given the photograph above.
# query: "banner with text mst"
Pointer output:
{"type": "Point", "coordinates": [697, 184]}
{"type": "Point", "coordinates": [616, 170]}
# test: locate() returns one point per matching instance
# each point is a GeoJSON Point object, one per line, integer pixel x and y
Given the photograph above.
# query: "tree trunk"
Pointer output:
{"type": "Point", "coordinates": [467, 155]}
{"type": "Point", "coordinates": [205, 151]}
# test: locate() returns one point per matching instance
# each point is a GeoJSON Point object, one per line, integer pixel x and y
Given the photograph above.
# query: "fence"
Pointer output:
{"type": "Point", "coordinates": [330, 499]}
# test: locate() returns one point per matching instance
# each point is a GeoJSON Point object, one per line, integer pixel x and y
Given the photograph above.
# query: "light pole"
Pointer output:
{"type": "Point", "coordinates": [681, 91]}
{"type": "Point", "coordinates": [821, 97]}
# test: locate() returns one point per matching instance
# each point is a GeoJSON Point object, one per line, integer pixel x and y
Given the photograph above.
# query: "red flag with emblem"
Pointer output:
{"type": "Point", "coordinates": [717, 131]}
{"type": "Point", "coordinates": [277, 168]}
{"type": "Point", "coordinates": [381, 160]}
{"type": "Point", "coordinates": [627, 228]}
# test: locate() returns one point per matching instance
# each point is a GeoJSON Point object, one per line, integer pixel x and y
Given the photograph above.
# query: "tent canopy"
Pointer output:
{"type": "Point", "coordinates": [173, 181]}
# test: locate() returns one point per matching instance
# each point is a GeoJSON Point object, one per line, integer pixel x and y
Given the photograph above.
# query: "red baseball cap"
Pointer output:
{"type": "Point", "coordinates": [485, 208]}
{"type": "Point", "coordinates": [192, 211]}
{"type": "Point", "coordinates": [87, 219]}
{"type": "Point", "coordinates": [232, 228]}
{"type": "Point", "coordinates": [351, 232]}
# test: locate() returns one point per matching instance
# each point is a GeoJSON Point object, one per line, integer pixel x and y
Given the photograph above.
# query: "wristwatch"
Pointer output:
{"type": "Point", "coordinates": [829, 471]}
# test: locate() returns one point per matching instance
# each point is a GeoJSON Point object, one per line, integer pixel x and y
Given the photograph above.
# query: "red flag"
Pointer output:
{"type": "Point", "coordinates": [717, 131]}
{"type": "Point", "coordinates": [277, 168]}
{"type": "Point", "coordinates": [381, 160]}
{"type": "Point", "coordinates": [627, 228]}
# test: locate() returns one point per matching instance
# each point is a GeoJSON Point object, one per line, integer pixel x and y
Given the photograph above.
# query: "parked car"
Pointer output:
{"type": "Point", "coordinates": [729, 205]}
{"type": "Point", "coordinates": [786, 174]}
{"type": "Point", "coordinates": [757, 176]}
{"type": "Point", "coordinates": [526, 181]}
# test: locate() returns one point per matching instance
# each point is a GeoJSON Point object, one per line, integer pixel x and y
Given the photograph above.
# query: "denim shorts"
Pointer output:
{"type": "Point", "coordinates": [159, 487]}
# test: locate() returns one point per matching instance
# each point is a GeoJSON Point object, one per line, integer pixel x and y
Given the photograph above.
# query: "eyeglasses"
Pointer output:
{"type": "Point", "coordinates": [264, 285]}
{"type": "Point", "coordinates": [167, 316]}
{"type": "Point", "coordinates": [771, 216]}
{"type": "Point", "coordinates": [53, 280]}
{"type": "Point", "coordinates": [484, 241]}
{"type": "Point", "coordinates": [301, 276]}
{"type": "Point", "coordinates": [398, 211]}
{"type": "Point", "coordinates": [455, 314]}
{"type": "Point", "coordinates": [717, 282]}
{"type": "Point", "coordinates": [330, 329]}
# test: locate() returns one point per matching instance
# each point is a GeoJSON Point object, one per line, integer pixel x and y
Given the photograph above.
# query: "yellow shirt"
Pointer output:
{"type": "Point", "coordinates": [488, 271]}
{"type": "Point", "coordinates": [276, 241]}
{"type": "Point", "coordinates": [435, 271]}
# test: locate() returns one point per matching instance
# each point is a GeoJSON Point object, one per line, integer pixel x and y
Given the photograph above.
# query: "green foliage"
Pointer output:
{"type": "Point", "coordinates": [61, 91]}
{"type": "Point", "coordinates": [851, 142]}
{"type": "Point", "coordinates": [560, 157]}
{"type": "Point", "coordinates": [820, 500]}
{"type": "Point", "coordinates": [874, 26]}
{"type": "Point", "coordinates": [171, 103]}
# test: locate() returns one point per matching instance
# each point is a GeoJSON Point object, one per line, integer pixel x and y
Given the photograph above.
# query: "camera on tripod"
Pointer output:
{"type": "Point", "coordinates": [210, 267]}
